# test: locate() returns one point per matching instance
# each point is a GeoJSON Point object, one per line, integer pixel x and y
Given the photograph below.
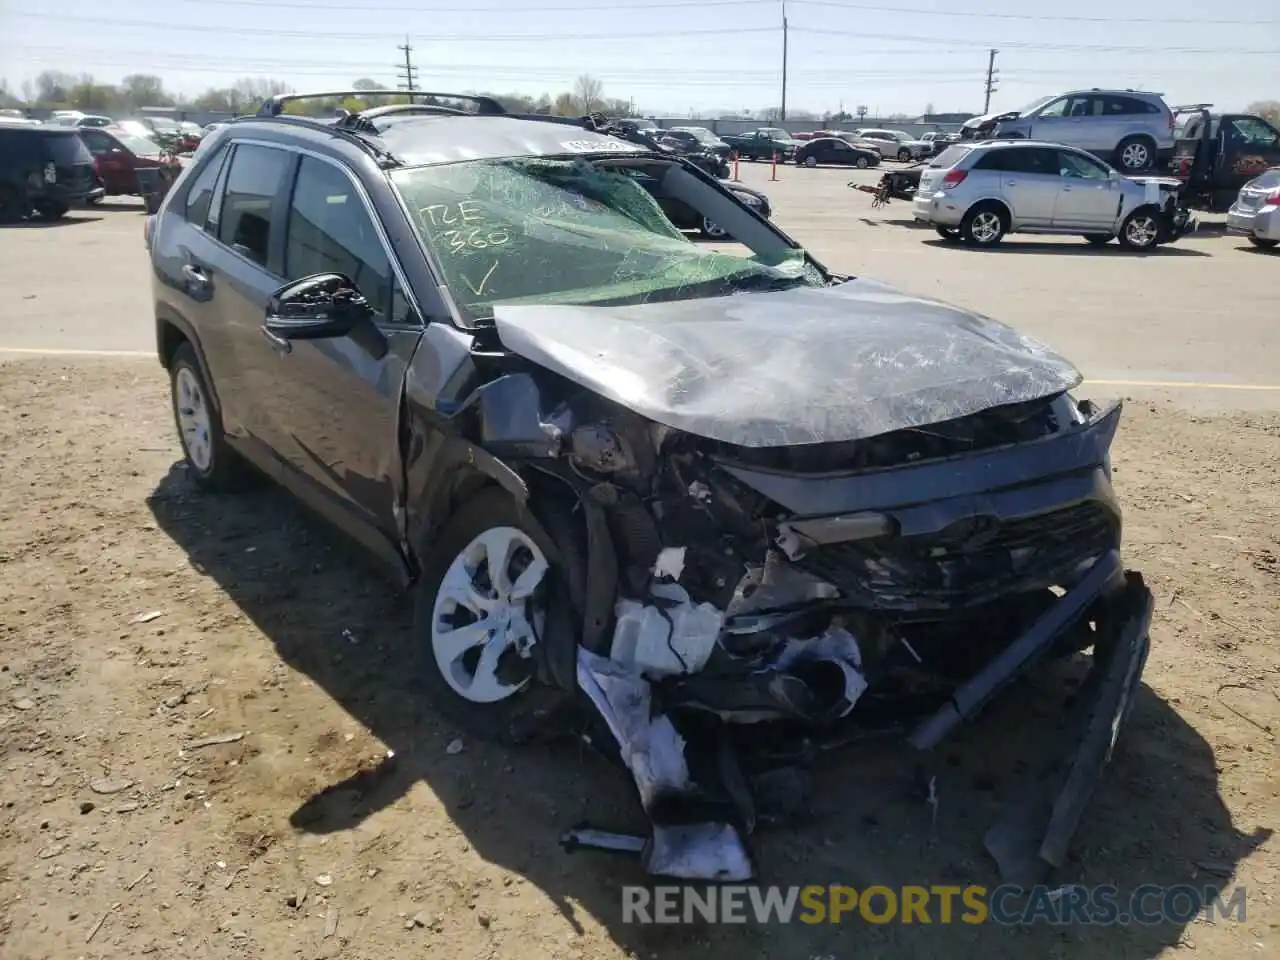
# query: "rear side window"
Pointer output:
{"type": "Point", "coordinates": [97, 142]}
{"type": "Point", "coordinates": [1115, 106]}
{"type": "Point", "coordinates": [66, 149]}
{"type": "Point", "coordinates": [200, 195]}
{"type": "Point", "coordinates": [949, 157]}
{"type": "Point", "coordinates": [256, 176]}
{"type": "Point", "coordinates": [1039, 160]}
{"type": "Point", "coordinates": [1268, 181]}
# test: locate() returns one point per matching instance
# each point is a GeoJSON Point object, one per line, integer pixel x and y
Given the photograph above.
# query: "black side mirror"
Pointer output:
{"type": "Point", "coordinates": [317, 307]}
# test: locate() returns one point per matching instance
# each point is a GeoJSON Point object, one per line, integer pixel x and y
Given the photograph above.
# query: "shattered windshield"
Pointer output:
{"type": "Point", "coordinates": [552, 231]}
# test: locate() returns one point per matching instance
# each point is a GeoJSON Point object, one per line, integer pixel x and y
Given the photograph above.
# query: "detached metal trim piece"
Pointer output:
{"type": "Point", "coordinates": [969, 697]}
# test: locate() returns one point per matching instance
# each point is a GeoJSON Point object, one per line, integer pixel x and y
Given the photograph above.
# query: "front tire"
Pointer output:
{"type": "Point", "coordinates": [1099, 239]}
{"type": "Point", "coordinates": [904, 155]}
{"type": "Point", "coordinates": [1263, 243]}
{"type": "Point", "coordinates": [1140, 230]}
{"type": "Point", "coordinates": [811, 161]}
{"type": "Point", "coordinates": [862, 163]}
{"type": "Point", "coordinates": [984, 225]}
{"type": "Point", "coordinates": [481, 606]}
{"type": "Point", "coordinates": [210, 462]}
{"type": "Point", "coordinates": [949, 234]}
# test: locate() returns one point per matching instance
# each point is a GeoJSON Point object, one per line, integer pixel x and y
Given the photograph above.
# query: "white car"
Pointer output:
{"type": "Point", "coordinates": [1256, 212]}
{"type": "Point", "coordinates": [895, 144]}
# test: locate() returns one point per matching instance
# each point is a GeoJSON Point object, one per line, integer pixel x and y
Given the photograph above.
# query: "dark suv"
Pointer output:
{"type": "Point", "coordinates": [693, 487]}
{"type": "Point", "coordinates": [43, 169]}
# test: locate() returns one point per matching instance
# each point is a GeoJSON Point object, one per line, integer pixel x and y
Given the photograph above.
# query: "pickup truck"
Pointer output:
{"type": "Point", "coordinates": [763, 144]}
{"type": "Point", "coordinates": [1215, 154]}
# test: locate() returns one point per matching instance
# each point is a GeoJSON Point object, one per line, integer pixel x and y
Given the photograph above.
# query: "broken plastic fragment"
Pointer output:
{"type": "Point", "coordinates": [650, 746]}
{"type": "Point", "coordinates": [699, 851]}
{"type": "Point", "coordinates": [670, 563]}
{"type": "Point", "coordinates": [837, 646]}
{"type": "Point", "coordinates": [671, 635]}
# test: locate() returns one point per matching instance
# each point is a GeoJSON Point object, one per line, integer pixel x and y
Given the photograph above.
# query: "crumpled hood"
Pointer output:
{"type": "Point", "coordinates": [801, 366]}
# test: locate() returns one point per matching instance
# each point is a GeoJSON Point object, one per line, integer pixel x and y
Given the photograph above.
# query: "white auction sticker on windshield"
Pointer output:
{"type": "Point", "coordinates": [599, 146]}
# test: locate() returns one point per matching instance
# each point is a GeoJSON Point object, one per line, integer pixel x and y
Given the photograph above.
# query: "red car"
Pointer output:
{"type": "Point", "coordinates": [119, 156]}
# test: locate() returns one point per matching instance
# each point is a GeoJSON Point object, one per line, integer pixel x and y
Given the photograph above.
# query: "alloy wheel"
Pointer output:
{"type": "Point", "coordinates": [193, 420]}
{"type": "Point", "coordinates": [713, 229]}
{"type": "Point", "coordinates": [1135, 156]}
{"type": "Point", "coordinates": [986, 226]}
{"type": "Point", "coordinates": [486, 608]}
{"type": "Point", "coordinates": [1142, 231]}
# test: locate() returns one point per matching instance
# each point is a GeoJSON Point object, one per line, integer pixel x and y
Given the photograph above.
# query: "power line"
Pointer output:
{"type": "Point", "coordinates": [1034, 17]}
{"type": "Point", "coordinates": [208, 29]}
{"type": "Point", "coordinates": [717, 80]}
{"type": "Point", "coordinates": [700, 4]}
{"type": "Point", "coordinates": [1027, 45]}
{"type": "Point", "coordinates": [182, 61]}
{"type": "Point", "coordinates": [419, 8]}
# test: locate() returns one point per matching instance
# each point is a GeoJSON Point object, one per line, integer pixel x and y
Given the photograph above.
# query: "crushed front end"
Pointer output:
{"type": "Point", "coordinates": [749, 607]}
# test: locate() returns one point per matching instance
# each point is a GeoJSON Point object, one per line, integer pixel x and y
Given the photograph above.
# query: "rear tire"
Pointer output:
{"type": "Point", "coordinates": [1263, 243]}
{"type": "Point", "coordinates": [984, 225]}
{"type": "Point", "coordinates": [1135, 154]}
{"type": "Point", "coordinates": [51, 211]}
{"type": "Point", "coordinates": [1099, 239]}
{"type": "Point", "coordinates": [210, 462]}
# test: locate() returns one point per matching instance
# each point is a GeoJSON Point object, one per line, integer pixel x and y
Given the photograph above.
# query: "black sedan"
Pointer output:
{"type": "Point", "coordinates": [834, 151]}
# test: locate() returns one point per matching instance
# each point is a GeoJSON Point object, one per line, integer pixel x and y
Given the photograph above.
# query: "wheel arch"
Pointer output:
{"type": "Point", "coordinates": [172, 331]}
{"type": "Point", "coordinates": [998, 203]}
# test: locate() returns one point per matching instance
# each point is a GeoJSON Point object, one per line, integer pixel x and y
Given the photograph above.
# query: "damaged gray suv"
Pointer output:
{"type": "Point", "coordinates": [715, 503]}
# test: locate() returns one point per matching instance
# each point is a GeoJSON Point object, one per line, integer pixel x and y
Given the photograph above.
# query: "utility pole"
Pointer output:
{"type": "Point", "coordinates": [782, 113]}
{"type": "Point", "coordinates": [408, 73]}
{"type": "Point", "coordinates": [992, 73]}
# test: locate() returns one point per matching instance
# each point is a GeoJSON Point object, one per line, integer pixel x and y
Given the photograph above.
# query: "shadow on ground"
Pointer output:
{"type": "Point", "coordinates": [1156, 817]}
{"type": "Point", "coordinates": [1013, 245]}
{"type": "Point", "coordinates": [138, 205]}
{"type": "Point", "coordinates": [73, 219]}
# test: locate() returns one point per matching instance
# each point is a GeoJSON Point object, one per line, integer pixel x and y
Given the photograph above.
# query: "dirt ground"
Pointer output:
{"type": "Point", "coordinates": [212, 744]}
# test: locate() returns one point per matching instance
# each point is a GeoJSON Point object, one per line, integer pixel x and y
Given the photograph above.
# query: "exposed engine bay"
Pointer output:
{"type": "Point", "coordinates": [743, 606]}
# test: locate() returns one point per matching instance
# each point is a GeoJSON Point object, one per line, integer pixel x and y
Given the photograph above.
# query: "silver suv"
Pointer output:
{"type": "Point", "coordinates": [1131, 128]}
{"type": "Point", "coordinates": [980, 192]}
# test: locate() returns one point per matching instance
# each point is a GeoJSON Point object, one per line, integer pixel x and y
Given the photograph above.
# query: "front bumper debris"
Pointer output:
{"type": "Point", "coordinates": [700, 827]}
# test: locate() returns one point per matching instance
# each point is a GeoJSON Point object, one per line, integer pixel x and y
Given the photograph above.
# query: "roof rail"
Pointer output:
{"type": "Point", "coordinates": [274, 106]}
{"type": "Point", "coordinates": [1192, 106]}
{"type": "Point", "coordinates": [376, 150]}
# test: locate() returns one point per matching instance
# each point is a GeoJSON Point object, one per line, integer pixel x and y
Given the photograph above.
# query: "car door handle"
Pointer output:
{"type": "Point", "coordinates": [195, 275]}
{"type": "Point", "coordinates": [278, 344]}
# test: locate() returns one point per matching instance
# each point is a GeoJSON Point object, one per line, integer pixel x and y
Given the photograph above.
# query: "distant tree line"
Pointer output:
{"type": "Point", "coordinates": [57, 90]}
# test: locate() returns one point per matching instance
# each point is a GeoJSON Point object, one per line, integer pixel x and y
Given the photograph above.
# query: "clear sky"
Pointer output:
{"type": "Point", "coordinates": [672, 55]}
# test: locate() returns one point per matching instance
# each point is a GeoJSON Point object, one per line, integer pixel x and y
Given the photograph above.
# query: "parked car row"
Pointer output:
{"type": "Point", "coordinates": [49, 168]}
{"type": "Point", "coordinates": [979, 192]}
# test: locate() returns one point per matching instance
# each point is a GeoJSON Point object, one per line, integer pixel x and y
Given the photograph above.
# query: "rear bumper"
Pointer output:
{"type": "Point", "coordinates": [1263, 223]}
